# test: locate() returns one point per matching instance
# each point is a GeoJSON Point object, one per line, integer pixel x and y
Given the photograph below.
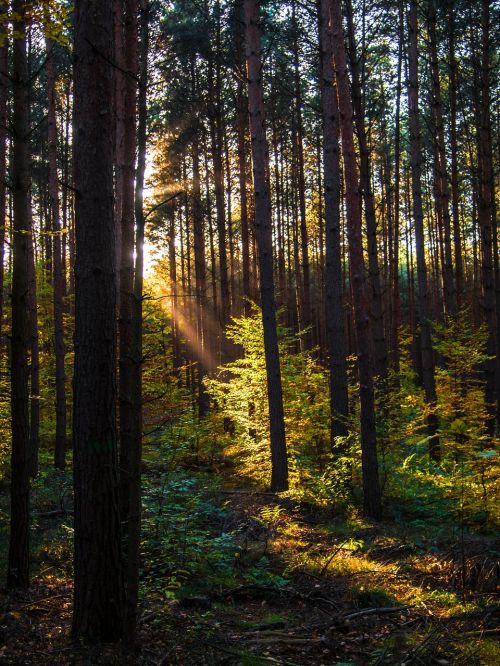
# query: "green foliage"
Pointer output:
{"type": "Point", "coordinates": [240, 396]}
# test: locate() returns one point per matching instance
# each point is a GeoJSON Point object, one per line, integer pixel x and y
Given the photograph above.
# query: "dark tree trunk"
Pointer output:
{"type": "Point", "coordinates": [18, 559]}
{"type": "Point", "coordinates": [365, 177]}
{"type": "Point", "coordinates": [263, 234]}
{"type": "Point", "coordinates": [426, 351]}
{"type": "Point", "coordinates": [57, 275]}
{"type": "Point", "coordinates": [485, 217]}
{"type": "Point", "coordinates": [455, 196]}
{"type": "Point", "coordinates": [304, 279]}
{"type": "Point", "coordinates": [132, 563]}
{"type": "Point", "coordinates": [441, 171]}
{"type": "Point", "coordinates": [4, 93]}
{"type": "Point", "coordinates": [34, 354]}
{"type": "Point", "coordinates": [126, 100]}
{"type": "Point", "coordinates": [98, 592]}
{"type": "Point", "coordinates": [242, 129]}
{"type": "Point", "coordinates": [334, 311]}
{"type": "Point", "coordinates": [371, 486]}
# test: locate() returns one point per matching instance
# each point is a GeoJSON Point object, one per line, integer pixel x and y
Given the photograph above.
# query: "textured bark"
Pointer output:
{"type": "Point", "coordinates": [242, 131]}
{"type": "Point", "coordinates": [18, 558]}
{"type": "Point", "coordinates": [200, 280]}
{"type": "Point", "coordinates": [371, 486]}
{"type": "Point", "coordinates": [455, 195]}
{"type": "Point", "coordinates": [365, 177]}
{"type": "Point", "coordinates": [485, 217]}
{"type": "Point", "coordinates": [305, 285]}
{"type": "Point", "coordinates": [4, 92]}
{"type": "Point", "coordinates": [98, 591]}
{"type": "Point", "coordinates": [34, 353]}
{"type": "Point", "coordinates": [426, 351]}
{"type": "Point", "coordinates": [263, 234]}
{"type": "Point", "coordinates": [132, 561]}
{"type": "Point", "coordinates": [442, 191]}
{"type": "Point", "coordinates": [126, 100]}
{"type": "Point", "coordinates": [57, 268]}
{"type": "Point", "coordinates": [334, 312]}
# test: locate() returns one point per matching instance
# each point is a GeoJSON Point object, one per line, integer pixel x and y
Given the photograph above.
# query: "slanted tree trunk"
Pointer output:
{"type": "Point", "coordinates": [426, 350]}
{"type": "Point", "coordinates": [334, 311]}
{"type": "Point", "coordinates": [18, 558]}
{"type": "Point", "coordinates": [371, 486]}
{"type": "Point", "coordinates": [57, 275]}
{"type": "Point", "coordinates": [98, 591]}
{"type": "Point", "coordinates": [263, 234]}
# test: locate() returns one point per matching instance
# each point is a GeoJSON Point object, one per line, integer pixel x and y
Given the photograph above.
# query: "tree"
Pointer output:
{"type": "Point", "coordinates": [426, 351]}
{"type": "Point", "coordinates": [371, 487]}
{"type": "Point", "coordinates": [334, 311]}
{"type": "Point", "coordinates": [263, 234]}
{"type": "Point", "coordinates": [98, 593]}
{"type": "Point", "coordinates": [18, 564]}
{"type": "Point", "coordinates": [57, 275]}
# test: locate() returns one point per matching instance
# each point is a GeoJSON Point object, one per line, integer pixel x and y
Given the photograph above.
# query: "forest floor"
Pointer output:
{"type": "Point", "coordinates": [254, 579]}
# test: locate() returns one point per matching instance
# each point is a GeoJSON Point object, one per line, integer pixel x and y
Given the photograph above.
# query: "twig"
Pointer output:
{"type": "Point", "coordinates": [330, 559]}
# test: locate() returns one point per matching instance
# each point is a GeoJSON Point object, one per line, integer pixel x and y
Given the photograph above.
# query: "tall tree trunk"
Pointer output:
{"type": "Point", "coordinates": [98, 592]}
{"type": "Point", "coordinates": [34, 353]}
{"type": "Point", "coordinates": [4, 93]}
{"type": "Point", "coordinates": [200, 280]}
{"type": "Point", "coordinates": [485, 217]}
{"type": "Point", "coordinates": [442, 188]}
{"type": "Point", "coordinates": [132, 563]}
{"type": "Point", "coordinates": [334, 311]}
{"type": "Point", "coordinates": [396, 299]}
{"type": "Point", "coordinates": [426, 351]}
{"type": "Point", "coordinates": [18, 559]}
{"type": "Point", "coordinates": [371, 486]}
{"type": "Point", "coordinates": [377, 307]}
{"type": "Point", "coordinates": [242, 129]}
{"type": "Point", "coordinates": [305, 284]}
{"type": "Point", "coordinates": [455, 195]}
{"type": "Point", "coordinates": [57, 276]}
{"type": "Point", "coordinates": [263, 234]}
{"type": "Point", "coordinates": [125, 150]}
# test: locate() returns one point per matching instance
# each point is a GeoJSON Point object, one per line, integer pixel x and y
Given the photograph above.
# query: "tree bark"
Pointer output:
{"type": "Point", "coordinates": [57, 275]}
{"type": "Point", "coordinates": [18, 558]}
{"type": "Point", "coordinates": [426, 350]}
{"type": "Point", "coordinates": [334, 311]}
{"type": "Point", "coordinates": [371, 486]}
{"type": "Point", "coordinates": [263, 234]}
{"type": "Point", "coordinates": [98, 591]}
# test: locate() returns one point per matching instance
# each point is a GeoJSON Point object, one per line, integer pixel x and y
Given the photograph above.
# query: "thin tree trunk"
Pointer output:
{"type": "Point", "coordinates": [132, 564]}
{"type": "Point", "coordinates": [334, 311]}
{"type": "Point", "coordinates": [57, 278]}
{"type": "Point", "coordinates": [426, 350]}
{"type": "Point", "coordinates": [371, 486]}
{"type": "Point", "coordinates": [442, 188]}
{"type": "Point", "coordinates": [377, 308]}
{"type": "Point", "coordinates": [263, 234]}
{"type": "Point", "coordinates": [455, 195]}
{"type": "Point", "coordinates": [4, 93]}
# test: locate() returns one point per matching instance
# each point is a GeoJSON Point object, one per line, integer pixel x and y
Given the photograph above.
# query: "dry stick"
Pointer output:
{"type": "Point", "coordinates": [330, 559]}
